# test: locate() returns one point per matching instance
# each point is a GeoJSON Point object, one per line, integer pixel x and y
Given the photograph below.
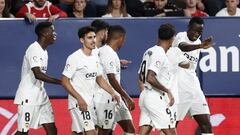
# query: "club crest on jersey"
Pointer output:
{"type": "Point", "coordinates": [86, 124]}
{"type": "Point", "coordinates": [27, 125]}
{"type": "Point", "coordinates": [106, 122]}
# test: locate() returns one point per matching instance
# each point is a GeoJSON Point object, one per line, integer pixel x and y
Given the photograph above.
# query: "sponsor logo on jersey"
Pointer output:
{"type": "Point", "coordinates": [91, 75]}
{"type": "Point", "coordinates": [191, 58]}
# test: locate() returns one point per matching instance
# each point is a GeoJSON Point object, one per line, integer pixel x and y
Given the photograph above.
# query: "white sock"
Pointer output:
{"type": "Point", "coordinates": [207, 134]}
{"type": "Point", "coordinates": [125, 133]}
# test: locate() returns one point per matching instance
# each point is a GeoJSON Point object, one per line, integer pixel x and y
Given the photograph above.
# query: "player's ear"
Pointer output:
{"type": "Point", "coordinates": [81, 40]}
{"type": "Point", "coordinates": [44, 34]}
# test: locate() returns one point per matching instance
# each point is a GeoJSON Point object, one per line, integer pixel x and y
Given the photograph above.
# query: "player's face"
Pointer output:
{"type": "Point", "coordinates": [194, 31]}
{"type": "Point", "coordinates": [2, 5]}
{"type": "Point", "coordinates": [89, 40]}
{"type": "Point", "coordinates": [231, 4]}
{"type": "Point", "coordinates": [39, 3]}
{"type": "Point", "coordinates": [51, 34]}
{"type": "Point", "coordinates": [160, 4]}
{"type": "Point", "coordinates": [117, 4]}
{"type": "Point", "coordinates": [79, 5]}
{"type": "Point", "coordinates": [121, 41]}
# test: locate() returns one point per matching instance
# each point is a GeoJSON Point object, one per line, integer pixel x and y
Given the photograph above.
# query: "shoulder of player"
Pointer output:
{"type": "Point", "coordinates": [34, 47]}
{"type": "Point", "coordinates": [156, 51]}
{"type": "Point", "coordinates": [75, 54]}
{"type": "Point", "coordinates": [181, 34]}
{"type": "Point", "coordinates": [105, 51]}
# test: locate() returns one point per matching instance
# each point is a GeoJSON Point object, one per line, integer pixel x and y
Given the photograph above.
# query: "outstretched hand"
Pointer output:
{"type": "Point", "coordinates": [130, 103]}
{"type": "Point", "coordinates": [82, 104]}
{"type": "Point", "coordinates": [116, 98]}
{"type": "Point", "coordinates": [207, 43]}
{"type": "Point", "coordinates": [124, 63]}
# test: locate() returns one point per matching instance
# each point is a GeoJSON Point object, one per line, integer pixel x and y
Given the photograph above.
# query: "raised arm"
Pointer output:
{"type": "Point", "coordinates": [185, 47]}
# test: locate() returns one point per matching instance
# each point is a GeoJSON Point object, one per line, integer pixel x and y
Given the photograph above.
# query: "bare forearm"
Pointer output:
{"type": "Point", "coordinates": [154, 82]}
{"type": "Point", "coordinates": [184, 65]}
{"type": "Point", "coordinates": [158, 85]}
{"type": "Point", "coordinates": [46, 78]}
{"type": "Point", "coordinates": [67, 85]}
{"type": "Point", "coordinates": [114, 83]}
{"type": "Point", "coordinates": [103, 84]}
{"type": "Point", "coordinates": [189, 47]}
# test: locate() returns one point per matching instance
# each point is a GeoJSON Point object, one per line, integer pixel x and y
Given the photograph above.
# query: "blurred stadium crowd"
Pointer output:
{"type": "Point", "coordinates": [54, 9]}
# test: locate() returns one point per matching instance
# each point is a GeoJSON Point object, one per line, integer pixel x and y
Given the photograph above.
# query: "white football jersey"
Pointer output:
{"type": "Point", "coordinates": [175, 57]}
{"type": "Point", "coordinates": [155, 59]}
{"type": "Point", "coordinates": [31, 91]}
{"type": "Point", "coordinates": [110, 62]}
{"type": "Point", "coordinates": [193, 56]}
{"type": "Point", "coordinates": [187, 78]}
{"type": "Point", "coordinates": [95, 51]}
{"type": "Point", "coordinates": [82, 71]}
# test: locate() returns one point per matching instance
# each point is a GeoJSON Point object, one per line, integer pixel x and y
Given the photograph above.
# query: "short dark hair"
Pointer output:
{"type": "Point", "coordinates": [115, 31]}
{"type": "Point", "coordinates": [84, 30]}
{"type": "Point", "coordinates": [197, 20]}
{"type": "Point", "coordinates": [41, 27]}
{"type": "Point", "coordinates": [166, 31]}
{"type": "Point", "coordinates": [100, 25]}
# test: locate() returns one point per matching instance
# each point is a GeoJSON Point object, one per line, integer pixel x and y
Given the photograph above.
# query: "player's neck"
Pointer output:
{"type": "Point", "coordinates": [114, 47]}
{"type": "Point", "coordinates": [98, 43]}
{"type": "Point", "coordinates": [43, 44]}
{"type": "Point", "coordinates": [164, 45]}
{"type": "Point", "coordinates": [87, 51]}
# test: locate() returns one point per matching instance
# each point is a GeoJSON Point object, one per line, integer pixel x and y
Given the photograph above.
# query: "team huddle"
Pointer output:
{"type": "Point", "coordinates": [97, 101]}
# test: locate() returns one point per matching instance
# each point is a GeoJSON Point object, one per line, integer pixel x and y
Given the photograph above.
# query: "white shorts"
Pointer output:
{"type": "Point", "coordinates": [194, 106]}
{"type": "Point", "coordinates": [33, 116]}
{"type": "Point", "coordinates": [83, 121]}
{"type": "Point", "coordinates": [108, 113]}
{"type": "Point", "coordinates": [155, 110]}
